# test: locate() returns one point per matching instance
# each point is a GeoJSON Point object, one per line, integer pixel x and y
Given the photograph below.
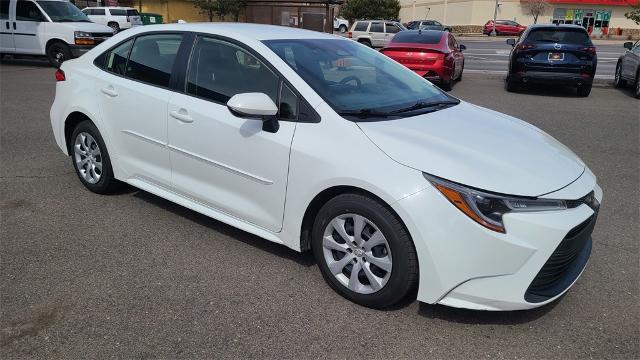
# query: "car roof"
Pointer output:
{"type": "Point", "coordinates": [246, 30]}
{"type": "Point", "coordinates": [554, 26]}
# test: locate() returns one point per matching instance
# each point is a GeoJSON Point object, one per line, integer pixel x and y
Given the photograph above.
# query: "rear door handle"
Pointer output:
{"type": "Point", "coordinates": [109, 91]}
{"type": "Point", "coordinates": [7, 25]}
{"type": "Point", "coordinates": [181, 115]}
{"type": "Point", "coordinates": [14, 25]}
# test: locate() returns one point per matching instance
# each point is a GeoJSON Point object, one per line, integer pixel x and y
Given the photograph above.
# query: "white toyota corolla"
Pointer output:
{"type": "Point", "coordinates": [319, 143]}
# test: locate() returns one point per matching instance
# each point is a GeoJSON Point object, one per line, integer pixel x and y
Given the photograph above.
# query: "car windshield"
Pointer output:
{"type": "Point", "coordinates": [63, 11]}
{"type": "Point", "coordinates": [358, 82]}
{"type": "Point", "coordinates": [565, 36]}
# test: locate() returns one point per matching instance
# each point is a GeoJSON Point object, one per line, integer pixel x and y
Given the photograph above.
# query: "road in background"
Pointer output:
{"type": "Point", "coordinates": [492, 56]}
{"type": "Point", "coordinates": [134, 276]}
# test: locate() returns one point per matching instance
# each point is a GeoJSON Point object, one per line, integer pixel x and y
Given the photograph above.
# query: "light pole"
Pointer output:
{"type": "Point", "coordinates": [495, 16]}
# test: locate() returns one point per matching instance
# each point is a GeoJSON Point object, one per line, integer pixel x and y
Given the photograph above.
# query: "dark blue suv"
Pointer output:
{"type": "Point", "coordinates": [553, 54]}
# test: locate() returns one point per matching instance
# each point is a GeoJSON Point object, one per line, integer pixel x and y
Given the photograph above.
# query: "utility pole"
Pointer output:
{"type": "Point", "coordinates": [495, 17]}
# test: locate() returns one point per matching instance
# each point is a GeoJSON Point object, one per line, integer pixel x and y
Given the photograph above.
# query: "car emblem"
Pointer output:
{"type": "Point", "coordinates": [557, 46]}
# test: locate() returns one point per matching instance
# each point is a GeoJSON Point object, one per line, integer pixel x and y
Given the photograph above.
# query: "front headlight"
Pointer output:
{"type": "Point", "coordinates": [82, 34]}
{"type": "Point", "coordinates": [487, 208]}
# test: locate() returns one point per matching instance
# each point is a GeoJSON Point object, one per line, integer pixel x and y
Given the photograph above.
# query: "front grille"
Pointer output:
{"type": "Point", "coordinates": [565, 264]}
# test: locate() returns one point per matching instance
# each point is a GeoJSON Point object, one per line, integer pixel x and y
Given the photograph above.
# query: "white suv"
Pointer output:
{"type": "Point", "coordinates": [375, 33]}
{"type": "Point", "coordinates": [118, 18]}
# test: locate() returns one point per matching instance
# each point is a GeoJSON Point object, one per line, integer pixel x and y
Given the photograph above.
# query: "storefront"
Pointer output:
{"type": "Point", "coordinates": [597, 21]}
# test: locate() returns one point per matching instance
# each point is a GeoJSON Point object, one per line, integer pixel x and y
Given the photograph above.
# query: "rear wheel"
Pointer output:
{"type": "Point", "coordinates": [57, 53]}
{"type": "Point", "coordinates": [618, 80]}
{"type": "Point", "coordinates": [447, 85]}
{"type": "Point", "coordinates": [510, 85]}
{"type": "Point", "coordinates": [115, 26]}
{"type": "Point", "coordinates": [343, 28]}
{"type": "Point", "coordinates": [366, 42]}
{"type": "Point", "coordinates": [91, 159]}
{"type": "Point", "coordinates": [637, 91]}
{"type": "Point", "coordinates": [584, 90]}
{"type": "Point", "coordinates": [364, 252]}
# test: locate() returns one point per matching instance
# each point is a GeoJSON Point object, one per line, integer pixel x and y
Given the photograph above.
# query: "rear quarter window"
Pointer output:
{"type": "Point", "coordinates": [361, 26]}
{"type": "Point", "coordinates": [565, 36]}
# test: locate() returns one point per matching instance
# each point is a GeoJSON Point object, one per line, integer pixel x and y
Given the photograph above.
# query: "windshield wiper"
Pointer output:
{"type": "Point", "coordinates": [364, 113]}
{"type": "Point", "coordinates": [433, 106]}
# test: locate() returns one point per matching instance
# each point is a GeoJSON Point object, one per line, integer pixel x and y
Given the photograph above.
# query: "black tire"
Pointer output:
{"type": "Point", "coordinates": [115, 26]}
{"type": "Point", "coordinates": [618, 81]}
{"type": "Point", "coordinates": [57, 53]}
{"type": "Point", "coordinates": [510, 85]}
{"type": "Point", "coordinates": [403, 279]}
{"type": "Point", "coordinates": [637, 87]}
{"type": "Point", "coordinates": [366, 42]}
{"type": "Point", "coordinates": [448, 85]}
{"type": "Point", "coordinates": [584, 90]}
{"type": "Point", "coordinates": [343, 28]}
{"type": "Point", "coordinates": [107, 183]}
{"type": "Point", "coordinates": [461, 71]}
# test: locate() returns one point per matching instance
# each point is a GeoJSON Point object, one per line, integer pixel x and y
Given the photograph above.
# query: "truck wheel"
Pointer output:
{"type": "Point", "coordinates": [114, 26]}
{"type": "Point", "coordinates": [343, 28]}
{"type": "Point", "coordinates": [57, 53]}
{"type": "Point", "coordinates": [366, 42]}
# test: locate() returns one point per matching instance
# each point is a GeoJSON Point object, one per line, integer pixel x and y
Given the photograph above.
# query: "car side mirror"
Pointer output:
{"type": "Point", "coordinates": [462, 47]}
{"type": "Point", "coordinates": [628, 45]}
{"type": "Point", "coordinates": [255, 106]}
{"type": "Point", "coordinates": [511, 42]}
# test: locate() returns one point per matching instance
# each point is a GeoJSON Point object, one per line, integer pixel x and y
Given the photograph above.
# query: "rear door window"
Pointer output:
{"type": "Point", "coordinates": [133, 12]}
{"type": "Point", "coordinates": [118, 12]}
{"type": "Point", "coordinates": [97, 12]}
{"type": "Point", "coordinates": [376, 27]}
{"type": "Point", "coordinates": [4, 9]}
{"type": "Point", "coordinates": [152, 58]}
{"type": "Point", "coordinates": [391, 28]}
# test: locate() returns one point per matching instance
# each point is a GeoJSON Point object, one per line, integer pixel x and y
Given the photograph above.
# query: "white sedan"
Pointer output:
{"type": "Point", "coordinates": [319, 143]}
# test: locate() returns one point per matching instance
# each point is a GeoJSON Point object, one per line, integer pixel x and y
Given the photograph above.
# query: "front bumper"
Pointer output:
{"type": "Point", "coordinates": [462, 264]}
{"type": "Point", "coordinates": [79, 50]}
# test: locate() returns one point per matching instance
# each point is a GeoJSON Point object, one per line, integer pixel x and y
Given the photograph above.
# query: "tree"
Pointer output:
{"type": "Point", "coordinates": [207, 7]}
{"type": "Point", "coordinates": [370, 9]}
{"type": "Point", "coordinates": [535, 8]}
{"type": "Point", "coordinates": [634, 15]}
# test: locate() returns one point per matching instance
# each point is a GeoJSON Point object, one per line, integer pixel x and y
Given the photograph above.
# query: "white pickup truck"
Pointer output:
{"type": "Point", "coordinates": [340, 24]}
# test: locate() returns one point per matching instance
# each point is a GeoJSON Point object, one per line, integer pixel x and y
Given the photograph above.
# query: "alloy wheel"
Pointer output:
{"type": "Point", "coordinates": [357, 253]}
{"type": "Point", "coordinates": [88, 158]}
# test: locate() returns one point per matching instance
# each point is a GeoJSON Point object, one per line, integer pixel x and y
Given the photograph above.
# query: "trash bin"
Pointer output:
{"type": "Point", "coordinates": [151, 19]}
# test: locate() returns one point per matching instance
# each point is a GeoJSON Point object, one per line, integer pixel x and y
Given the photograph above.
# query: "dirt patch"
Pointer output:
{"type": "Point", "coordinates": [41, 319]}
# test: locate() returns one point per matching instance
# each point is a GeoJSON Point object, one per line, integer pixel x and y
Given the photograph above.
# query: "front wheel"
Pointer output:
{"type": "Point", "coordinates": [343, 29]}
{"type": "Point", "coordinates": [364, 252]}
{"type": "Point", "coordinates": [57, 53]}
{"type": "Point", "coordinates": [618, 80]}
{"type": "Point", "coordinates": [510, 85]}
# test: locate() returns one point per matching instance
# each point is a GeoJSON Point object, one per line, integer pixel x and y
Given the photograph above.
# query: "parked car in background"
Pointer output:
{"type": "Point", "coordinates": [397, 187]}
{"type": "Point", "coordinates": [553, 54]}
{"type": "Point", "coordinates": [628, 68]}
{"type": "Point", "coordinates": [432, 54]}
{"type": "Point", "coordinates": [503, 27]}
{"type": "Point", "coordinates": [427, 25]}
{"type": "Point", "coordinates": [340, 24]}
{"type": "Point", "coordinates": [117, 18]}
{"type": "Point", "coordinates": [375, 33]}
{"type": "Point", "coordinates": [54, 28]}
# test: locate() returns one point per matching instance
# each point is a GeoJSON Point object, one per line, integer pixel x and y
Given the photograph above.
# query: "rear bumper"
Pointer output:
{"type": "Point", "coordinates": [552, 77]}
{"type": "Point", "coordinates": [435, 74]}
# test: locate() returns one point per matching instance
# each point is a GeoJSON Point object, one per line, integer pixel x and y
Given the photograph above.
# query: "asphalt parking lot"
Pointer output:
{"type": "Point", "coordinates": [134, 276]}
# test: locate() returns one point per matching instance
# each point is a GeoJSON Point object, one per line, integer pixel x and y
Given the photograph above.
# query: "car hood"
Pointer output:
{"type": "Point", "coordinates": [480, 148]}
{"type": "Point", "coordinates": [88, 27]}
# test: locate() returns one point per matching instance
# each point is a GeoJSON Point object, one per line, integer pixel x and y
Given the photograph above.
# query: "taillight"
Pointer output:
{"type": "Point", "coordinates": [525, 46]}
{"type": "Point", "coordinates": [350, 35]}
{"type": "Point", "coordinates": [590, 49]}
{"type": "Point", "coordinates": [60, 75]}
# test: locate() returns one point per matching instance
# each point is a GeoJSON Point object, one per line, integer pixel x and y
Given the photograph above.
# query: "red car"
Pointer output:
{"type": "Point", "coordinates": [432, 54]}
{"type": "Point", "coordinates": [503, 27]}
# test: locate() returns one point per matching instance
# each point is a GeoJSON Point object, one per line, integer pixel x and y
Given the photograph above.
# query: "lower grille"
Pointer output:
{"type": "Point", "coordinates": [564, 265]}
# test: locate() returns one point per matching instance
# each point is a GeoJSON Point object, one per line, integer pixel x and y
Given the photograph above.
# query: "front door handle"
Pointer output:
{"type": "Point", "coordinates": [109, 91]}
{"type": "Point", "coordinates": [7, 25]}
{"type": "Point", "coordinates": [181, 115]}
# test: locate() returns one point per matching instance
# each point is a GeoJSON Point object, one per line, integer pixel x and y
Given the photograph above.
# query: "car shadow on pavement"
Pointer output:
{"type": "Point", "coordinates": [305, 258]}
{"type": "Point", "coordinates": [546, 90]}
{"type": "Point", "coordinates": [466, 316]}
